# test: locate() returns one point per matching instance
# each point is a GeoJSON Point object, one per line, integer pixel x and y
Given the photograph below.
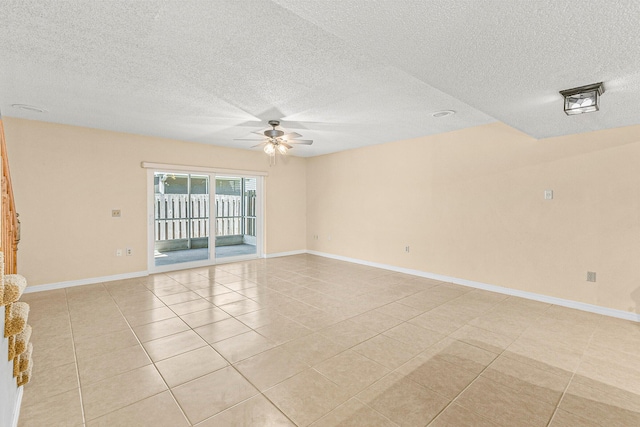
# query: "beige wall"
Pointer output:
{"type": "Point", "coordinates": [68, 179]}
{"type": "Point", "coordinates": [470, 205]}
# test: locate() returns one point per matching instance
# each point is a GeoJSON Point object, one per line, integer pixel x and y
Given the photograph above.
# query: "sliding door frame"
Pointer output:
{"type": "Point", "coordinates": [213, 173]}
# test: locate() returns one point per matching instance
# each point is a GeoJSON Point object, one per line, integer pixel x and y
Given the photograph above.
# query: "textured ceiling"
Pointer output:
{"type": "Point", "coordinates": [344, 73]}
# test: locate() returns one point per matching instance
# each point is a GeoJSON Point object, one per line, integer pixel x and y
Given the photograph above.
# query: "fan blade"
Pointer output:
{"type": "Point", "coordinates": [259, 145]}
{"type": "Point", "coordinates": [301, 141]}
{"type": "Point", "coordinates": [286, 145]}
{"type": "Point", "coordinates": [259, 132]}
{"type": "Point", "coordinates": [290, 136]}
{"type": "Point", "coordinates": [247, 139]}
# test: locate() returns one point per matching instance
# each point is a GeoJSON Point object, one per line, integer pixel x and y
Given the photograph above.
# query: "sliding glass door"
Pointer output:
{"type": "Point", "coordinates": [181, 218]}
{"type": "Point", "coordinates": [199, 219]}
{"type": "Point", "coordinates": [235, 203]}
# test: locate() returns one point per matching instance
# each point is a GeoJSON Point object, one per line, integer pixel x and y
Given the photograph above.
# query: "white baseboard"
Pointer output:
{"type": "Point", "coordinates": [89, 281]}
{"type": "Point", "coordinates": [455, 280]}
{"type": "Point", "coordinates": [493, 288]}
{"type": "Point", "coordinates": [281, 254]}
{"type": "Point", "coordinates": [16, 414]}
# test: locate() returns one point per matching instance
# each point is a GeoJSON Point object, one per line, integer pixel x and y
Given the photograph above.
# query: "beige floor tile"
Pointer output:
{"type": "Point", "coordinates": [318, 319]}
{"type": "Point", "coordinates": [257, 319]}
{"type": "Point", "coordinates": [612, 391]}
{"type": "Point", "coordinates": [611, 372]}
{"type": "Point", "coordinates": [351, 371]}
{"type": "Point", "coordinates": [457, 416]}
{"type": "Point", "coordinates": [167, 289]}
{"type": "Point", "coordinates": [185, 276]}
{"type": "Point", "coordinates": [190, 365]}
{"type": "Point", "coordinates": [502, 323]}
{"type": "Point", "coordinates": [353, 413]}
{"type": "Point", "coordinates": [204, 317]}
{"type": "Point", "coordinates": [119, 391]}
{"type": "Point", "coordinates": [441, 321]}
{"type": "Point", "coordinates": [269, 368]}
{"type": "Point", "coordinates": [48, 382]}
{"type": "Point", "coordinates": [179, 297]}
{"type": "Point", "coordinates": [213, 393]}
{"type": "Point", "coordinates": [601, 408]}
{"type": "Point", "coordinates": [566, 419]}
{"type": "Point", "coordinates": [170, 346]}
{"type": "Point", "coordinates": [347, 333]}
{"type": "Point", "coordinates": [89, 330]}
{"type": "Point", "coordinates": [113, 363]}
{"type": "Point", "coordinates": [52, 326]}
{"type": "Point", "coordinates": [140, 302]}
{"type": "Point", "coordinates": [60, 410]}
{"type": "Point", "coordinates": [376, 320]}
{"type": "Point", "coordinates": [105, 344]}
{"type": "Point", "coordinates": [138, 318]}
{"type": "Point", "coordinates": [211, 290]}
{"type": "Point", "coordinates": [438, 375]}
{"type": "Point", "coordinates": [414, 335]}
{"type": "Point", "coordinates": [56, 352]}
{"type": "Point", "coordinates": [482, 338]}
{"type": "Point", "coordinates": [240, 307]}
{"type": "Point", "coordinates": [313, 349]}
{"type": "Point", "coordinates": [162, 328]}
{"type": "Point", "coordinates": [504, 405]}
{"type": "Point", "coordinates": [160, 410]}
{"type": "Point", "coordinates": [387, 351]}
{"type": "Point", "coordinates": [544, 355]}
{"type": "Point", "coordinates": [403, 401]}
{"type": "Point", "coordinates": [469, 357]}
{"type": "Point", "coordinates": [306, 397]}
{"type": "Point", "coordinates": [227, 298]}
{"type": "Point", "coordinates": [528, 380]}
{"type": "Point", "coordinates": [255, 412]}
{"type": "Point", "coordinates": [191, 306]}
{"type": "Point", "coordinates": [221, 330]}
{"type": "Point", "coordinates": [121, 288]}
{"type": "Point", "coordinates": [281, 332]}
{"type": "Point", "coordinates": [242, 346]}
{"type": "Point", "coordinates": [561, 333]}
{"type": "Point", "coordinates": [506, 362]}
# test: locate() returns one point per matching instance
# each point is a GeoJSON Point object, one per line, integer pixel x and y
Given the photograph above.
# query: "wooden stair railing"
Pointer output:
{"type": "Point", "coordinates": [10, 233]}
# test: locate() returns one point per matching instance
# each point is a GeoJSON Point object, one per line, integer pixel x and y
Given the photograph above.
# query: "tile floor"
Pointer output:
{"type": "Point", "coordinates": [304, 340]}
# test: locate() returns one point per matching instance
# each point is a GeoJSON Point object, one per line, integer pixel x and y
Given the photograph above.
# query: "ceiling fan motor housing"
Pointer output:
{"type": "Point", "coordinates": [273, 133]}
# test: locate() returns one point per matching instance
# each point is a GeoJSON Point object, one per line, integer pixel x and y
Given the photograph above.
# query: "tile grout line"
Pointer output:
{"type": "Point", "coordinates": [75, 359]}
{"type": "Point", "coordinates": [573, 374]}
{"type": "Point", "coordinates": [152, 363]}
{"type": "Point", "coordinates": [231, 365]}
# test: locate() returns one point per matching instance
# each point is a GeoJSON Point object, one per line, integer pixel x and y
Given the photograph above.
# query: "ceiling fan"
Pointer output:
{"type": "Point", "coordinates": [277, 140]}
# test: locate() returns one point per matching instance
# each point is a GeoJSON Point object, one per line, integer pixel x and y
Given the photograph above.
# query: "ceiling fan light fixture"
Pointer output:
{"type": "Point", "coordinates": [282, 149]}
{"type": "Point", "coordinates": [270, 149]}
{"type": "Point", "coordinates": [583, 99]}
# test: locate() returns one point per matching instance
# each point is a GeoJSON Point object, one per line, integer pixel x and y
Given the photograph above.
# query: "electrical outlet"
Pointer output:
{"type": "Point", "coordinates": [548, 194]}
{"type": "Point", "coordinates": [315, 237]}
{"type": "Point", "coordinates": [129, 251]}
{"type": "Point", "coordinates": [116, 213]}
{"type": "Point", "coordinates": [406, 249]}
{"type": "Point", "coordinates": [591, 276]}
{"type": "Point", "coordinates": [118, 252]}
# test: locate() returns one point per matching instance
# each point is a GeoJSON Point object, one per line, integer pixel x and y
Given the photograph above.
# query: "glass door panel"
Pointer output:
{"type": "Point", "coordinates": [181, 218]}
{"type": "Point", "coordinates": [235, 205]}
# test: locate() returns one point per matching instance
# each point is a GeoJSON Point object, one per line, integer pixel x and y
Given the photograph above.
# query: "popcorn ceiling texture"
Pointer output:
{"type": "Point", "coordinates": [345, 74]}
